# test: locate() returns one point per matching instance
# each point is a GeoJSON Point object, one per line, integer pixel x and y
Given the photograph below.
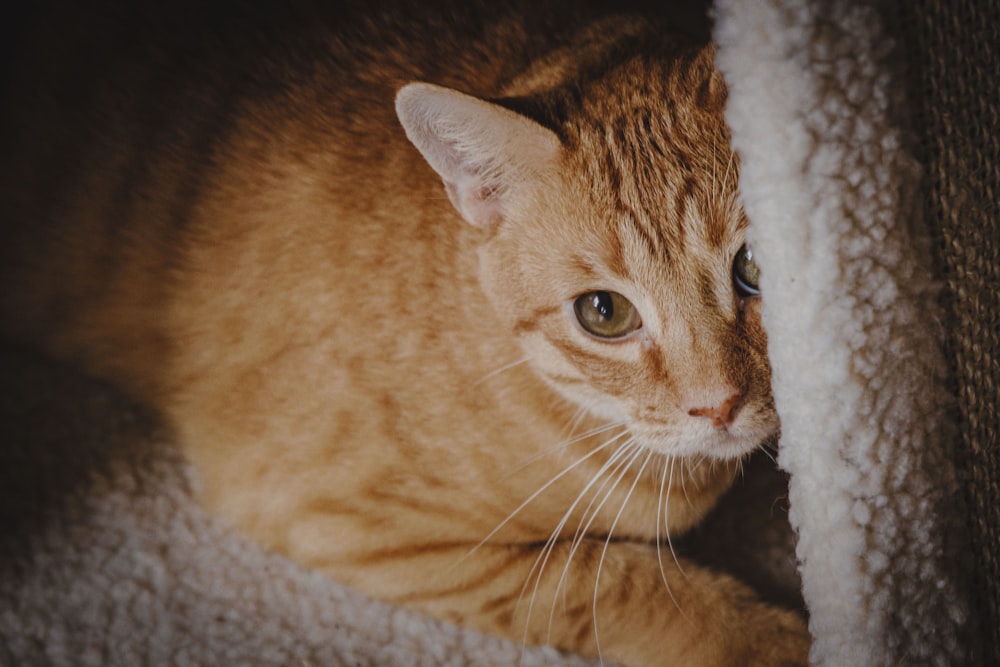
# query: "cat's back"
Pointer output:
{"type": "Point", "coordinates": [142, 143]}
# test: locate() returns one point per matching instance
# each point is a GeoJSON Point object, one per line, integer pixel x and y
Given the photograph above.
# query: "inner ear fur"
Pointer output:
{"type": "Point", "coordinates": [483, 152]}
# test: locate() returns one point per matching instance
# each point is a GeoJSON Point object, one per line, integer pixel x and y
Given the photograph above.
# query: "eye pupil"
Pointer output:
{"type": "Point", "coordinates": [606, 314]}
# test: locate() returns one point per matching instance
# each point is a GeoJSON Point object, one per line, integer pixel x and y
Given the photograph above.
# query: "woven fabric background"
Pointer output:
{"type": "Point", "coordinates": [952, 51]}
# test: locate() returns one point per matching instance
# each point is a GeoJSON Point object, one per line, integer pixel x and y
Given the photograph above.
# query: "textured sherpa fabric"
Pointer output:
{"type": "Point", "coordinates": [860, 380]}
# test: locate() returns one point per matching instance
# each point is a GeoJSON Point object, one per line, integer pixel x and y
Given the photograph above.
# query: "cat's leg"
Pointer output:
{"type": "Point", "coordinates": [623, 601]}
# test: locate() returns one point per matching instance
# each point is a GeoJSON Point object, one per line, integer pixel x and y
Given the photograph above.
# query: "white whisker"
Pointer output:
{"type": "Point", "coordinates": [498, 371]}
{"type": "Point", "coordinates": [683, 477]}
{"type": "Point", "coordinates": [725, 178]}
{"type": "Point", "coordinates": [543, 557]}
{"type": "Point", "coordinates": [575, 420]}
{"type": "Point", "coordinates": [565, 471]}
{"type": "Point", "coordinates": [621, 463]}
{"type": "Point", "coordinates": [587, 517]}
{"type": "Point", "coordinates": [564, 445]}
{"type": "Point", "coordinates": [769, 454]}
{"type": "Point", "coordinates": [607, 542]}
{"type": "Point", "coordinates": [661, 516]}
{"type": "Point", "coordinates": [617, 462]}
{"type": "Point", "coordinates": [613, 464]}
{"type": "Point", "coordinates": [662, 511]}
{"type": "Point", "coordinates": [666, 517]}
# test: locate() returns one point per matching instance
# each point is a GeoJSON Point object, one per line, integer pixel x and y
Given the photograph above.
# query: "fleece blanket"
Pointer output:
{"type": "Point", "coordinates": [105, 560]}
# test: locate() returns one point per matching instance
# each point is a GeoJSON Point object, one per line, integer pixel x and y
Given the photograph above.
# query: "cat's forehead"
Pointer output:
{"type": "Point", "coordinates": [653, 162]}
{"type": "Point", "coordinates": [675, 85]}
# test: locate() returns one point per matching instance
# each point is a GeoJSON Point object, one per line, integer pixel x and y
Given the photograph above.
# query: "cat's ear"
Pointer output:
{"type": "Point", "coordinates": [482, 151]}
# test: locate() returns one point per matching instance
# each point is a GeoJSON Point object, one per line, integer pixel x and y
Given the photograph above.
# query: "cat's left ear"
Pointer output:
{"type": "Point", "coordinates": [483, 152]}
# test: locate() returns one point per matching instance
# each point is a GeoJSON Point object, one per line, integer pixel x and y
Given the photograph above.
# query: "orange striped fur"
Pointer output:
{"type": "Point", "coordinates": [225, 216]}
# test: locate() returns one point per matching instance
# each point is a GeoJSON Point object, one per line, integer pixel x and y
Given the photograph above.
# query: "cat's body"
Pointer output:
{"type": "Point", "coordinates": [239, 232]}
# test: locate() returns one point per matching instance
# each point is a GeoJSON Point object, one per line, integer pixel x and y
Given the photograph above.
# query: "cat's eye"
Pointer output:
{"type": "Point", "coordinates": [606, 314]}
{"type": "Point", "coordinates": [746, 273]}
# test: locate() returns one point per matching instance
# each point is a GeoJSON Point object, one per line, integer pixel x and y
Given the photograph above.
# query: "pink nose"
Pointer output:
{"type": "Point", "coordinates": [723, 414]}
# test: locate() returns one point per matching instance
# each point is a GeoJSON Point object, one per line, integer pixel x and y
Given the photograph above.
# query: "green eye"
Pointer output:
{"type": "Point", "coordinates": [746, 273]}
{"type": "Point", "coordinates": [606, 314]}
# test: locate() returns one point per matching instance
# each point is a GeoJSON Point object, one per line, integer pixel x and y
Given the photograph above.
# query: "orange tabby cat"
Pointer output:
{"type": "Point", "coordinates": [493, 401]}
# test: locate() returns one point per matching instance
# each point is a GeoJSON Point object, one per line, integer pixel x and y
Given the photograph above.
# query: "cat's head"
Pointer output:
{"type": "Point", "coordinates": [614, 245]}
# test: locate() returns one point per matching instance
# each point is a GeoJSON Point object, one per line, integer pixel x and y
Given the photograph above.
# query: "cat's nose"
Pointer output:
{"type": "Point", "coordinates": [723, 414]}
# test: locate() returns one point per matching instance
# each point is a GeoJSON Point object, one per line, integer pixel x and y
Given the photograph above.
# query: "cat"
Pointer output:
{"type": "Point", "coordinates": [451, 302]}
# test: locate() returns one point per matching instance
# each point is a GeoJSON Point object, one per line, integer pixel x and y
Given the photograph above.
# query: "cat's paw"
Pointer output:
{"type": "Point", "coordinates": [782, 641]}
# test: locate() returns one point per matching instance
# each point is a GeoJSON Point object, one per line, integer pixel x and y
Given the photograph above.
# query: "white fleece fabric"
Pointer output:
{"type": "Point", "coordinates": [849, 307]}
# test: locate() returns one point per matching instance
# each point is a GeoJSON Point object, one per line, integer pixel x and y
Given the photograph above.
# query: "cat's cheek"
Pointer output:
{"type": "Point", "coordinates": [582, 394]}
{"type": "Point", "coordinates": [751, 324]}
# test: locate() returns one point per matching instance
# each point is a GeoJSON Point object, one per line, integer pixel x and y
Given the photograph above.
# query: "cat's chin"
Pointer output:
{"type": "Point", "coordinates": [718, 444]}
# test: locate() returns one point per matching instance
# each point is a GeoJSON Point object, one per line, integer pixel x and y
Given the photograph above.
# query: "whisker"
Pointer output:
{"type": "Point", "coordinates": [543, 557]}
{"type": "Point", "coordinates": [615, 469]}
{"type": "Point", "coordinates": [498, 371]}
{"type": "Point", "coordinates": [589, 515]}
{"type": "Point", "coordinates": [574, 422]}
{"type": "Point", "coordinates": [725, 178]}
{"type": "Point", "coordinates": [563, 445]}
{"type": "Point", "coordinates": [581, 530]}
{"type": "Point", "coordinates": [613, 462]}
{"type": "Point", "coordinates": [565, 471]}
{"type": "Point", "coordinates": [682, 477]}
{"type": "Point", "coordinates": [612, 465]}
{"type": "Point", "coordinates": [622, 466]}
{"type": "Point", "coordinates": [665, 512]}
{"type": "Point", "coordinates": [607, 541]}
{"type": "Point", "coordinates": [661, 511]}
{"type": "Point", "coordinates": [666, 517]}
{"type": "Point", "coordinates": [617, 462]}
{"type": "Point", "coordinates": [769, 454]}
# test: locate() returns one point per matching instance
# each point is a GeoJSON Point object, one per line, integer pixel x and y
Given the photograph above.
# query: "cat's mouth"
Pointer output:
{"type": "Point", "coordinates": [725, 443]}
